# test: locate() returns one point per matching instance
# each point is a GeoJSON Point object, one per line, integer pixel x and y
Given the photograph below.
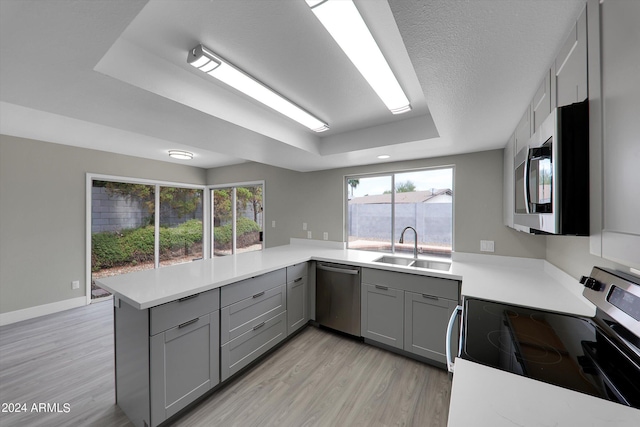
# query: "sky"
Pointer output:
{"type": "Point", "coordinates": [423, 180]}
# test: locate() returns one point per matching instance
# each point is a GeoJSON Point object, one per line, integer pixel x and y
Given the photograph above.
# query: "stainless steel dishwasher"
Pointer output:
{"type": "Point", "coordinates": [338, 297]}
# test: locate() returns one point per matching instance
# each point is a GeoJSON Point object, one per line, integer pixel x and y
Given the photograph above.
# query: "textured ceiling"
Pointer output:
{"type": "Point", "coordinates": [112, 75]}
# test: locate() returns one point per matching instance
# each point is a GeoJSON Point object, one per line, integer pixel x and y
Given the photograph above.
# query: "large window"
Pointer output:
{"type": "Point", "coordinates": [237, 218]}
{"type": "Point", "coordinates": [140, 225]}
{"type": "Point", "coordinates": [380, 207]}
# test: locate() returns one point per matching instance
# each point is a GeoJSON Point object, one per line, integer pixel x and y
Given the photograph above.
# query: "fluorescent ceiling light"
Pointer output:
{"type": "Point", "coordinates": [383, 156]}
{"type": "Point", "coordinates": [210, 63]}
{"type": "Point", "coordinates": [179, 154]}
{"type": "Point", "coordinates": [343, 21]}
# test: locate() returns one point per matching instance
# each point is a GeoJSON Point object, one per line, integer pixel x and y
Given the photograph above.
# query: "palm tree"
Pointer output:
{"type": "Point", "coordinates": [353, 183]}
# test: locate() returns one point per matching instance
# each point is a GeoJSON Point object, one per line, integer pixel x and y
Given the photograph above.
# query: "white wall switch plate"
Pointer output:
{"type": "Point", "coordinates": [304, 225]}
{"type": "Point", "coordinates": [308, 235]}
{"type": "Point", "coordinates": [75, 284]}
{"type": "Point", "coordinates": [487, 246]}
{"type": "Point", "coordinates": [325, 235]}
{"type": "Point", "coordinates": [273, 224]}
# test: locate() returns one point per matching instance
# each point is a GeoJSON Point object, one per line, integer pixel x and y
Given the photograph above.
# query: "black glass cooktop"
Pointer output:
{"type": "Point", "coordinates": [567, 351]}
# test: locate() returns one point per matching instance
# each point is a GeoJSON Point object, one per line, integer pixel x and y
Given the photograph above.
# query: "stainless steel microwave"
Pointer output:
{"type": "Point", "coordinates": [552, 175]}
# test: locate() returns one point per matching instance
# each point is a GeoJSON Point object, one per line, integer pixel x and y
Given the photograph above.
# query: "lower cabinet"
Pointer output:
{"type": "Point", "coordinates": [297, 297]}
{"type": "Point", "coordinates": [166, 356]}
{"type": "Point", "coordinates": [426, 320]}
{"type": "Point", "coordinates": [253, 319]}
{"type": "Point", "coordinates": [382, 314]}
{"type": "Point", "coordinates": [184, 365]}
{"type": "Point", "coordinates": [407, 311]}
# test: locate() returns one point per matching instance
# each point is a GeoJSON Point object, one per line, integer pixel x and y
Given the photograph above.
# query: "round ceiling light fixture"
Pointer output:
{"type": "Point", "coordinates": [179, 154]}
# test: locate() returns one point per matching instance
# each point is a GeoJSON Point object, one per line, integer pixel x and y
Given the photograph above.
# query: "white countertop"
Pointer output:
{"type": "Point", "coordinates": [521, 281]}
{"type": "Point", "coordinates": [483, 396]}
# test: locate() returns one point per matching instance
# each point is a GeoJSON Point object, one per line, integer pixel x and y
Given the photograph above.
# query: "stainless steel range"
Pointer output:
{"type": "Point", "coordinates": [599, 356]}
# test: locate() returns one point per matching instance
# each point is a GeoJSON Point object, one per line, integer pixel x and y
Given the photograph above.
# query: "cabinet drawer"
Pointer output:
{"type": "Point", "coordinates": [239, 352]}
{"type": "Point", "coordinates": [236, 292]}
{"type": "Point", "coordinates": [296, 271]}
{"type": "Point", "coordinates": [175, 313]}
{"type": "Point", "coordinates": [443, 288]}
{"type": "Point", "coordinates": [238, 318]}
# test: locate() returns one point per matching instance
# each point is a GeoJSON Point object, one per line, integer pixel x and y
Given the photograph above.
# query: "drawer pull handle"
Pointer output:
{"type": "Point", "coordinates": [430, 297]}
{"type": "Point", "coordinates": [258, 295]}
{"type": "Point", "coordinates": [188, 298]}
{"type": "Point", "coordinates": [188, 323]}
{"type": "Point", "coordinates": [384, 288]}
{"type": "Point", "coordinates": [258, 326]}
{"type": "Point", "coordinates": [297, 280]}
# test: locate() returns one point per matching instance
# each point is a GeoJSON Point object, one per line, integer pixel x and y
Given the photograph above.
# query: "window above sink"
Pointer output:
{"type": "Point", "coordinates": [380, 206]}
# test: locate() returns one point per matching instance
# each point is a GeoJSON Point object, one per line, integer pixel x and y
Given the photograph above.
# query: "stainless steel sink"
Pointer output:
{"type": "Point", "coordinates": [432, 265]}
{"type": "Point", "coordinates": [395, 260]}
{"type": "Point", "coordinates": [419, 263]}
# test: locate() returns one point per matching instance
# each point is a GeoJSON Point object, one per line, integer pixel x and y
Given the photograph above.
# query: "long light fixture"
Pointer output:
{"type": "Point", "coordinates": [343, 21]}
{"type": "Point", "coordinates": [179, 154]}
{"type": "Point", "coordinates": [207, 61]}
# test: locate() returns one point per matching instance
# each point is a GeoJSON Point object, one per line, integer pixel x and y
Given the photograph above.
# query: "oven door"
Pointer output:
{"type": "Point", "coordinates": [539, 179]}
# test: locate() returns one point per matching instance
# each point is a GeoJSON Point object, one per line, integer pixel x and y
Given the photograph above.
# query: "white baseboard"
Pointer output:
{"type": "Point", "coordinates": [41, 310]}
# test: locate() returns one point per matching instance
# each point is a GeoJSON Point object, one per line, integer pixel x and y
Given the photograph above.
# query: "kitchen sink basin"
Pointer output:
{"type": "Point", "coordinates": [433, 265]}
{"type": "Point", "coordinates": [419, 263]}
{"type": "Point", "coordinates": [395, 260]}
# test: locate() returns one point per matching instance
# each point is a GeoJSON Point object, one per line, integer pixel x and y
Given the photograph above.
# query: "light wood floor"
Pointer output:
{"type": "Point", "coordinates": [316, 379]}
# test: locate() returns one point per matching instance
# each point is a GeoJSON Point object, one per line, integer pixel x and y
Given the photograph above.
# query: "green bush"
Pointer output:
{"type": "Point", "coordinates": [222, 235]}
{"type": "Point", "coordinates": [137, 245]}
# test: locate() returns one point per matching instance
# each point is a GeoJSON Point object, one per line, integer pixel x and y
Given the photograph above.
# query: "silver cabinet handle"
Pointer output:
{"type": "Point", "coordinates": [336, 270]}
{"type": "Point", "coordinates": [452, 321]}
{"type": "Point", "coordinates": [189, 297]}
{"type": "Point", "coordinates": [259, 295]}
{"type": "Point", "coordinates": [188, 323]}
{"type": "Point", "coordinates": [430, 297]}
{"type": "Point", "coordinates": [384, 288]}
{"type": "Point", "coordinates": [258, 326]}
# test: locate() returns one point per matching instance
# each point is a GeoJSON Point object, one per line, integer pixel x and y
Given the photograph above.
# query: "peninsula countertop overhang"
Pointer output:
{"type": "Point", "coordinates": [528, 282]}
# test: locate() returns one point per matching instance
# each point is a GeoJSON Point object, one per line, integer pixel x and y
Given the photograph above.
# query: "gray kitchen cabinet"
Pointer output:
{"type": "Point", "coordinates": [408, 311]}
{"type": "Point", "coordinates": [541, 105]}
{"type": "Point", "coordinates": [523, 130]}
{"type": "Point", "coordinates": [382, 314]}
{"type": "Point", "coordinates": [508, 196]}
{"type": "Point", "coordinates": [184, 365]}
{"type": "Point", "coordinates": [614, 110]}
{"type": "Point", "coordinates": [166, 356]}
{"type": "Point", "coordinates": [252, 320]}
{"type": "Point", "coordinates": [426, 320]}
{"type": "Point", "coordinates": [241, 351]}
{"type": "Point", "coordinates": [297, 297]}
{"type": "Point", "coordinates": [569, 83]}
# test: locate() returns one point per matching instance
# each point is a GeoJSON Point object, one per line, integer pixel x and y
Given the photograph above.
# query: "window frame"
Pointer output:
{"type": "Point", "coordinates": [392, 173]}
{"type": "Point", "coordinates": [90, 177]}
{"type": "Point", "coordinates": [234, 185]}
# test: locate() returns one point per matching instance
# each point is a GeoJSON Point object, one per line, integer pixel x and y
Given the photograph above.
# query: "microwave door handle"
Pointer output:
{"type": "Point", "coordinates": [527, 197]}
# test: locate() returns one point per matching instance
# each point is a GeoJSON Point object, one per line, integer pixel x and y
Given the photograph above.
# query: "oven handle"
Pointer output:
{"type": "Point", "coordinates": [452, 321]}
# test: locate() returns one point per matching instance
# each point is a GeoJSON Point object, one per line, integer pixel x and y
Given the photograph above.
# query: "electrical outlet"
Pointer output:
{"type": "Point", "coordinates": [308, 235]}
{"type": "Point", "coordinates": [273, 224]}
{"type": "Point", "coordinates": [75, 284]}
{"type": "Point", "coordinates": [304, 225]}
{"type": "Point", "coordinates": [325, 235]}
{"type": "Point", "coordinates": [487, 246]}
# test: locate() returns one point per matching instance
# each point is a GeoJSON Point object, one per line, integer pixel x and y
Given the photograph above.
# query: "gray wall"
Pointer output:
{"type": "Point", "coordinates": [317, 198]}
{"type": "Point", "coordinates": [42, 214]}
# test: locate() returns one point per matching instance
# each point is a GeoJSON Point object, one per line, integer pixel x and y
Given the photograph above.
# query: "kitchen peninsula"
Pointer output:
{"type": "Point", "coordinates": [168, 310]}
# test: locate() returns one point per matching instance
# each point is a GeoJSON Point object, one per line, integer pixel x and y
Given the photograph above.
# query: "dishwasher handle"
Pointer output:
{"type": "Point", "coordinates": [452, 321]}
{"type": "Point", "coordinates": [337, 270]}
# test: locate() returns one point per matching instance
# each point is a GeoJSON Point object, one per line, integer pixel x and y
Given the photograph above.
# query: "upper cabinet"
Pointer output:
{"type": "Point", "coordinates": [523, 131]}
{"type": "Point", "coordinates": [541, 104]}
{"type": "Point", "coordinates": [614, 55]}
{"type": "Point", "coordinates": [569, 70]}
{"type": "Point", "coordinates": [508, 177]}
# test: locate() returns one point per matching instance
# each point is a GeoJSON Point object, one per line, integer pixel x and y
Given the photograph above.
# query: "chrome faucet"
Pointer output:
{"type": "Point", "coordinates": [415, 243]}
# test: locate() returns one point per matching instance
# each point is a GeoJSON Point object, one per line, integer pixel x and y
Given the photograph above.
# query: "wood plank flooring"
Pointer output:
{"type": "Point", "coordinates": [317, 378]}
